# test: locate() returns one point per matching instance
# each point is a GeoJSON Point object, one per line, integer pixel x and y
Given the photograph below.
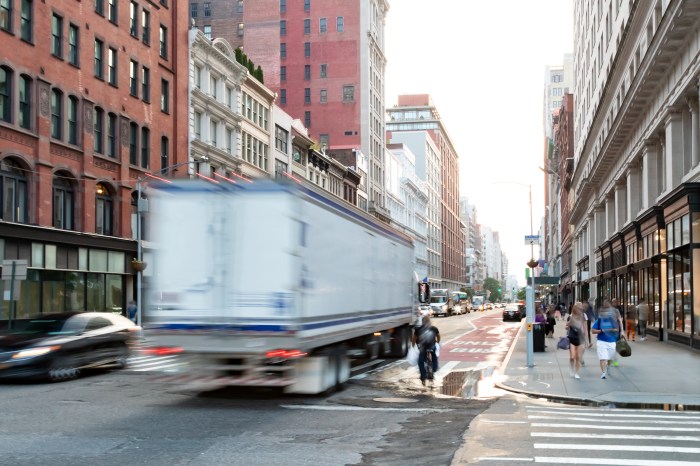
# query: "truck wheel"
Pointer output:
{"type": "Point", "coordinates": [399, 344]}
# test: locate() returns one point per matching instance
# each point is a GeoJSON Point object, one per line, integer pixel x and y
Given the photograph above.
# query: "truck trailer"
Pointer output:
{"type": "Point", "coordinates": [273, 284]}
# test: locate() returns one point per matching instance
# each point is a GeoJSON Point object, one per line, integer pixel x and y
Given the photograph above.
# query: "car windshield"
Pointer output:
{"type": "Point", "coordinates": [50, 327]}
{"type": "Point", "coordinates": [438, 299]}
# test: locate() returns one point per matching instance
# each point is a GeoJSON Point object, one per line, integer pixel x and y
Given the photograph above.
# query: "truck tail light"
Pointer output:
{"type": "Point", "coordinates": [163, 350]}
{"type": "Point", "coordinates": [285, 354]}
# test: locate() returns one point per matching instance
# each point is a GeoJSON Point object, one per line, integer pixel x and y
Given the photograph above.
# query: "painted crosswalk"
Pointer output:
{"type": "Point", "coordinates": [577, 435]}
{"type": "Point", "coordinates": [590, 435]}
{"type": "Point", "coordinates": [147, 363]}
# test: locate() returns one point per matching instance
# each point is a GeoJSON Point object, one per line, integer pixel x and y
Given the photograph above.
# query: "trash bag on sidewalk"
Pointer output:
{"type": "Point", "coordinates": [412, 355]}
{"type": "Point", "coordinates": [563, 343]}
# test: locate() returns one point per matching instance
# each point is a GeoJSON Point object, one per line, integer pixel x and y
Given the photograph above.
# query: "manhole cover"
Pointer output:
{"type": "Point", "coordinates": [396, 400]}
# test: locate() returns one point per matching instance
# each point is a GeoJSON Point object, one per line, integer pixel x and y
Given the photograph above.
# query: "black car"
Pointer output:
{"type": "Point", "coordinates": [513, 312]}
{"type": "Point", "coordinates": [58, 346]}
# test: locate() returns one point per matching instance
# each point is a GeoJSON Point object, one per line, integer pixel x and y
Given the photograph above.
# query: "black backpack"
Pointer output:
{"type": "Point", "coordinates": [427, 338]}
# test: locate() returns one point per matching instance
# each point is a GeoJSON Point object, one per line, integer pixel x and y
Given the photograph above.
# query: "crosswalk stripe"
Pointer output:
{"type": "Point", "coordinates": [629, 421]}
{"type": "Point", "coordinates": [599, 447]}
{"type": "Point", "coordinates": [162, 367]}
{"type": "Point", "coordinates": [585, 435]}
{"type": "Point", "coordinates": [612, 461]}
{"type": "Point", "coordinates": [608, 427]}
{"type": "Point", "coordinates": [622, 414]}
{"type": "Point", "coordinates": [596, 410]}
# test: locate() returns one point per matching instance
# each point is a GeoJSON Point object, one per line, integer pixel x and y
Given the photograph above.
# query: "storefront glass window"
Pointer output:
{"type": "Point", "coordinates": [82, 258]}
{"type": "Point", "coordinates": [50, 256]}
{"type": "Point", "coordinates": [659, 240]}
{"type": "Point", "coordinates": [95, 292]}
{"type": "Point", "coordinates": [75, 291]}
{"type": "Point", "coordinates": [116, 261]}
{"type": "Point", "coordinates": [37, 255]}
{"type": "Point", "coordinates": [53, 292]}
{"type": "Point", "coordinates": [679, 293]}
{"type": "Point", "coordinates": [98, 260]}
{"type": "Point", "coordinates": [685, 229]}
{"type": "Point", "coordinates": [114, 293]}
{"type": "Point", "coordinates": [696, 296]}
{"type": "Point", "coordinates": [696, 227]}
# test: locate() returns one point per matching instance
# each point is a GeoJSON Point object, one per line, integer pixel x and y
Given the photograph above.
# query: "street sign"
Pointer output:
{"type": "Point", "coordinates": [531, 240]}
{"type": "Point", "coordinates": [20, 269]}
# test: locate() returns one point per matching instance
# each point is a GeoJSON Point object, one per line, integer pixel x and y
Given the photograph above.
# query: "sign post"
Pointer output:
{"type": "Point", "coordinates": [13, 270]}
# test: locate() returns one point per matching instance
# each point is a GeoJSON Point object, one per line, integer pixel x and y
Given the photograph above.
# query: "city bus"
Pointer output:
{"type": "Point", "coordinates": [478, 303]}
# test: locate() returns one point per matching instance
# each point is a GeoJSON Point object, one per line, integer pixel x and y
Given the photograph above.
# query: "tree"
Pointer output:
{"type": "Point", "coordinates": [494, 286]}
{"type": "Point", "coordinates": [469, 291]}
{"type": "Point", "coordinates": [521, 294]}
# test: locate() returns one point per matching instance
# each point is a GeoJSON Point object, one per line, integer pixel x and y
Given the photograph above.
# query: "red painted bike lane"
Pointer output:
{"type": "Point", "coordinates": [487, 342]}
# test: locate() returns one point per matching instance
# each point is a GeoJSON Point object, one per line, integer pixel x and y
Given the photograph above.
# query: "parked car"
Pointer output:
{"type": "Point", "coordinates": [59, 346]}
{"type": "Point", "coordinates": [513, 312]}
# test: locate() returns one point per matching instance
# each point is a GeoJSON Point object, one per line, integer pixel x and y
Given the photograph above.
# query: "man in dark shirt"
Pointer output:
{"type": "Point", "coordinates": [426, 336]}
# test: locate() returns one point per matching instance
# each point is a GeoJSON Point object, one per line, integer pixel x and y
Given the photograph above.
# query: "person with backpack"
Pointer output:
{"type": "Point", "coordinates": [578, 338]}
{"type": "Point", "coordinates": [426, 336]}
{"type": "Point", "coordinates": [607, 329]}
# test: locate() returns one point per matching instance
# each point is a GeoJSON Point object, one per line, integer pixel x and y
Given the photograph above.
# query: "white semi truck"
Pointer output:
{"type": "Point", "coordinates": [273, 284]}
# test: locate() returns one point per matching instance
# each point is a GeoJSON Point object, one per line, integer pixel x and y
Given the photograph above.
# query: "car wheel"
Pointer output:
{"type": "Point", "coordinates": [122, 357]}
{"type": "Point", "coordinates": [63, 368]}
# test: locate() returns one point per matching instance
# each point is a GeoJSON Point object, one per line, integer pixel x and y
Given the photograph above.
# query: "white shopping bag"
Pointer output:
{"type": "Point", "coordinates": [412, 355]}
{"type": "Point", "coordinates": [437, 349]}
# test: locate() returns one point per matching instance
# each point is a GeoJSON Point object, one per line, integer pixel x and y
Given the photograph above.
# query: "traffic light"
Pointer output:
{"type": "Point", "coordinates": [499, 289]}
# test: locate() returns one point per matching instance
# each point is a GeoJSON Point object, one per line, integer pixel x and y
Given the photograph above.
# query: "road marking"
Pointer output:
{"type": "Point", "coordinates": [612, 461]}
{"type": "Point", "coordinates": [159, 367]}
{"type": "Point", "coordinates": [582, 435]}
{"type": "Point", "coordinates": [621, 414]}
{"type": "Point", "coordinates": [501, 458]}
{"type": "Point", "coordinates": [370, 363]}
{"type": "Point", "coordinates": [447, 367]}
{"type": "Point", "coordinates": [363, 408]}
{"type": "Point", "coordinates": [598, 447]}
{"type": "Point", "coordinates": [606, 427]}
{"type": "Point", "coordinates": [504, 422]}
{"type": "Point", "coordinates": [609, 410]}
{"type": "Point", "coordinates": [637, 421]}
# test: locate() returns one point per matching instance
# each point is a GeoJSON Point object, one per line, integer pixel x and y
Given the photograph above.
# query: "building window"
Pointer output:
{"type": "Point", "coordinates": [323, 140]}
{"type": "Point", "coordinates": [307, 49]}
{"type": "Point", "coordinates": [112, 135]}
{"type": "Point", "coordinates": [112, 66]}
{"type": "Point", "coordinates": [322, 25]}
{"type": "Point", "coordinates": [112, 10]}
{"type": "Point", "coordinates": [5, 95]}
{"type": "Point", "coordinates": [239, 7]}
{"type": "Point", "coordinates": [307, 119]}
{"type": "Point", "coordinates": [103, 210]}
{"type": "Point", "coordinates": [56, 113]}
{"type": "Point", "coordinates": [207, 9]}
{"type": "Point", "coordinates": [307, 5]}
{"type": "Point", "coordinates": [73, 44]}
{"type": "Point", "coordinates": [197, 77]}
{"type": "Point", "coordinates": [73, 120]}
{"type": "Point", "coordinates": [146, 27]}
{"type": "Point", "coordinates": [163, 37]}
{"type": "Point", "coordinates": [62, 202]}
{"type": "Point", "coordinates": [25, 101]}
{"type": "Point", "coordinates": [281, 139]}
{"type": "Point", "coordinates": [145, 84]}
{"type": "Point", "coordinates": [98, 126]}
{"type": "Point", "coordinates": [193, 10]}
{"type": "Point", "coordinates": [164, 159]}
{"type": "Point", "coordinates": [324, 70]}
{"type": "Point", "coordinates": [283, 96]}
{"type": "Point", "coordinates": [307, 95]}
{"type": "Point", "coordinates": [13, 195]}
{"type": "Point", "coordinates": [99, 50]}
{"type": "Point", "coordinates": [145, 147]}
{"type": "Point", "coordinates": [198, 125]}
{"type": "Point", "coordinates": [164, 96]}
{"type": "Point", "coordinates": [213, 86]}
{"type": "Point", "coordinates": [133, 78]}
{"type": "Point", "coordinates": [340, 24]}
{"type": "Point", "coordinates": [207, 32]}
{"type": "Point", "coordinates": [134, 19]}
{"type": "Point", "coordinates": [6, 15]}
{"type": "Point", "coordinates": [283, 50]}
{"type": "Point", "coordinates": [283, 6]}
{"type": "Point", "coordinates": [25, 22]}
{"type": "Point", "coordinates": [57, 36]}
{"type": "Point", "coordinates": [214, 133]}
{"type": "Point", "coordinates": [307, 72]}
{"type": "Point", "coordinates": [133, 143]}
{"type": "Point", "coordinates": [283, 73]}
{"type": "Point", "coordinates": [307, 26]}
{"type": "Point", "coordinates": [348, 93]}
{"type": "Point", "coordinates": [324, 96]}
{"type": "Point", "coordinates": [229, 138]}
{"type": "Point", "coordinates": [100, 7]}
{"type": "Point", "coordinates": [283, 28]}
{"type": "Point", "coordinates": [240, 29]}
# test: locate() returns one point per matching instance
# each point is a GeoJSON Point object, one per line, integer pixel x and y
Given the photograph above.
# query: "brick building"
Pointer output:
{"type": "Point", "coordinates": [90, 101]}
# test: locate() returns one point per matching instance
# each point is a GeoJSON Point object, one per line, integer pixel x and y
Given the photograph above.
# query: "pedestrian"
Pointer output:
{"type": "Point", "coordinates": [578, 340]}
{"type": "Point", "coordinates": [631, 321]}
{"type": "Point", "coordinates": [619, 311]}
{"type": "Point", "coordinates": [132, 310]}
{"type": "Point", "coordinates": [590, 318]}
{"type": "Point", "coordinates": [642, 318]}
{"type": "Point", "coordinates": [550, 323]}
{"type": "Point", "coordinates": [557, 312]}
{"type": "Point", "coordinates": [426, 336]}
{"type": "Point", "coordinates": [607, 331]}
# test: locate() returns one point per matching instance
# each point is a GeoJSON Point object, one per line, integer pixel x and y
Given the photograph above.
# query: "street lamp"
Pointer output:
{"type": "Point", "coordinates": [142, 206]}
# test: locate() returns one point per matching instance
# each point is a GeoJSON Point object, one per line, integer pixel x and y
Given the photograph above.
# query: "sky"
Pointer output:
{"type": "Point", "coordinates": [483, 63]}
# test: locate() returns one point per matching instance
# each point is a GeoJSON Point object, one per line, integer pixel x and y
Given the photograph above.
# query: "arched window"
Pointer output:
{"type": "Point", "coordinates": [63, 202]}
{"type": "Point", "coordinates": [5, 94]}
{"type": "Point", "coordinates": [103, 210]}
{"type": "Point", "coordinates": [13, 192]}
{"type": "Point", "coordinates": [25, 102]}
{"type": "Point", "coordinates": [56, 114]}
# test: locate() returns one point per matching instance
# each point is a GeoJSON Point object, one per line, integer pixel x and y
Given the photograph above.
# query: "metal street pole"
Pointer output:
{"type": "Point", "coordinates": [139, 254]}
{"type": "Point", "coordinates": [530, 296]}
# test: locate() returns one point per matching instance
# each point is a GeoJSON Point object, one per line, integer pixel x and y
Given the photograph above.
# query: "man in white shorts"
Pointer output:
{"type": "Point", "coordinates": [607, 331]}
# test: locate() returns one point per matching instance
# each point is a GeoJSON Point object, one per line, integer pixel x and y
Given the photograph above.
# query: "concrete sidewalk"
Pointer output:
{"type": "Point", "coordinates": [655, 375]}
